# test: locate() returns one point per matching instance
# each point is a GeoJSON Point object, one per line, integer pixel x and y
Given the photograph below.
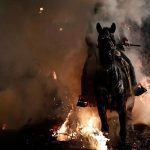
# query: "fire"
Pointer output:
{"type": "Point", "coordinates": [86, 128]}
{"type": "Point", "coordinates": [54, 75]}
{"type": "Point", "coordinates": [62, 134]}
{"type": "Point", "coordinates": [96, 138]}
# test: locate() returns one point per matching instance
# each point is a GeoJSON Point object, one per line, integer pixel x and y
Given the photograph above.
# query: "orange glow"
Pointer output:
{"type": "Point", "coordinates": [87, 127]}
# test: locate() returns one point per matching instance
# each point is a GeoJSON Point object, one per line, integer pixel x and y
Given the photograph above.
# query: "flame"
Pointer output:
{"type": "Point", "coordinates": [86, 127]}
{"type": "Point", "coordinates": [96, 138]}
{"type": "Point", "coordinates": [63, 133]}
{"type": "Point", "coordinates": [54, 75]}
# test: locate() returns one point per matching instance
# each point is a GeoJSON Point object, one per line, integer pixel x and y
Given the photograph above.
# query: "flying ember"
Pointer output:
{"type": "Point", "coordinates": [60, 29]}
{"type": "Point", "coordinates": [54, 75]}
{"type": "Point", "coordinates": [41, 10]}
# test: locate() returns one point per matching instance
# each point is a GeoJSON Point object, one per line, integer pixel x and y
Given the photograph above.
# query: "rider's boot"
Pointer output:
{"type": "Point", "coordinates": [83, 98]}
{"type": "Point", "coordinates": [139, 90]}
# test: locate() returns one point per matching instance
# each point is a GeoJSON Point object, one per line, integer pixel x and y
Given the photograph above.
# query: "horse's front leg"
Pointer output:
{"type": "Point", "coordinates": [101, 105]}
{"type": "Point", "coordinates": [122, 117]}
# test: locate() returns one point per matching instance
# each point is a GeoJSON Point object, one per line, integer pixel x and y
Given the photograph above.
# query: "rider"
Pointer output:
{"type": "Point", "coordinates": [87, 81]}
{"type": "Point", "coordinates": [138, 89]}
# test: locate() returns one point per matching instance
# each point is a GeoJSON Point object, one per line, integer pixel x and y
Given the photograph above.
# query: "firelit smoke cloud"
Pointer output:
{"type": "Point", "coordinates": [33, 44]}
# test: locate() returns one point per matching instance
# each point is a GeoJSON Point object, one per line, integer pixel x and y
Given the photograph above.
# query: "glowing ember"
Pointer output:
{"type": "Point", "coordinates": [4, 126]}
{"type": "Point", "coordinates": [60, 29]}
{"type": "Point", "coordinates": [85, 129]}
{"type": "Point", "coordinates": [54, 75]}
{"type": "Point", "coordinates": [41, 10]}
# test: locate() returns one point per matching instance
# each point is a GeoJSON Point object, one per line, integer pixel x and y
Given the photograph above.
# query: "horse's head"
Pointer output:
{"type": "Point", "coordinates": [106, 42]}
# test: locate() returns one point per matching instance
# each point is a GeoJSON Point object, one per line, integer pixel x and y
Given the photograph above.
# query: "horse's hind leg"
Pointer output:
{"type": "Point", "coordinates": [101, 105]}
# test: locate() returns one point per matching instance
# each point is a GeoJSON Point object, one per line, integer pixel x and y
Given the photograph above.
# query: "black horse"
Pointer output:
{"type": "Point", "coordinates": [112, 83]}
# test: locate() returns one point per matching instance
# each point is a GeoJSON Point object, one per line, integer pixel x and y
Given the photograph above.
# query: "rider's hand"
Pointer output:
{"type": "Point", "coordinates": [125, 42]}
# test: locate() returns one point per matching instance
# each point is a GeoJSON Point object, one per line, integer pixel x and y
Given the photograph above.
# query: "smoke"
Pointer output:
{"type": "Point", "coordinates": [32, 46]}
{"type": "Point", "coordinates": [120, 10]}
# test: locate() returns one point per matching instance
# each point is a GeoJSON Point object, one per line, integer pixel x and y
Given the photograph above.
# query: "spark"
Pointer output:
{"type": "Point", "coordinates": [41, 10]}
{"type": "Point", "coordinates": [60, 29]}
{"type": "Point", "coordinates": [54, 75]}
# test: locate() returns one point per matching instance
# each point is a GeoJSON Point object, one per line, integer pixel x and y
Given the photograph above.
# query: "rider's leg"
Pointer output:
{"type": "Point", "coordinates": [131, 70]}
{"type": "Point", "coordinates": [138, 89]}
{"type": "Point", "coordinates": [83, 98]}
{"type": "Point", "coordinates": [84, 80]}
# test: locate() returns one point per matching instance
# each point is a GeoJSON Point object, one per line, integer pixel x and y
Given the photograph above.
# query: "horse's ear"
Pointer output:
{"type": "Point", "coordinates": [99, 27]}
{"type": "Point", "coordinates": [113, 28]}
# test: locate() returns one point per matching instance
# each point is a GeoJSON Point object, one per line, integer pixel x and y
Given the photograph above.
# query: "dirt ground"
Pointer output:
{"type": "Point", "coordinates": [39, 137]}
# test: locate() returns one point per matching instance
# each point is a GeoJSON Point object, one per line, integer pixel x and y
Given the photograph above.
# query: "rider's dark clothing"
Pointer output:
{"type": "Point", "coordinates": [131, 69]}
{"type": "Point", "coordinates": [120, 47]}
{"type": "Point", "coordinates": [87, 78]}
